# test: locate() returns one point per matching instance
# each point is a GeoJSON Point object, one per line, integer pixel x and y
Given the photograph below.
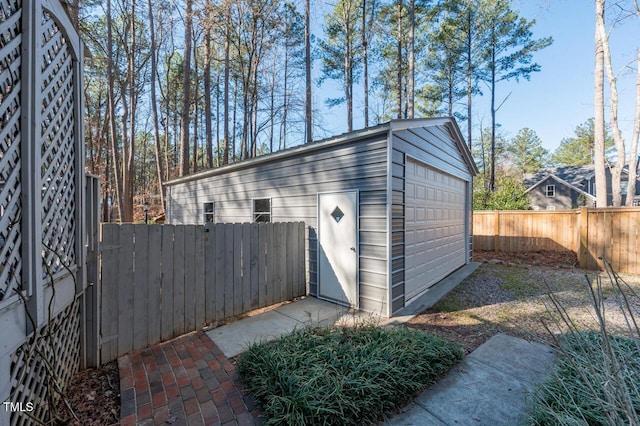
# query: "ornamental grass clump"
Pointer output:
{"type": "Point", "coordinates": [598, 377]}
{"type": "Point", "coordinates": [342, 375]}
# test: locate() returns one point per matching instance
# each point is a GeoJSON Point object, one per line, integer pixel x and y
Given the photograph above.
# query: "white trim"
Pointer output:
{"type": "Point", "coordinates": [550, 189]}
{"type": "Point", "coordinates": [253, 209]}
{"type": "Point", "coordinates": [205, 213]}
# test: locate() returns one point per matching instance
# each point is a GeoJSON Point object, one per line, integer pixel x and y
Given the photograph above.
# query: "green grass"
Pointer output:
{"type": "Point", "coordinates": [343, 376]}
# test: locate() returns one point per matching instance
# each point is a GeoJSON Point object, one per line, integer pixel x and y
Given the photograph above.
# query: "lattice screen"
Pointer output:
{"type": "Point", "coordinates": [58, 172]}
{"type": "Point", "coordinates": [31, 380]}
{"type": "Point", "coordinates": [10, 209]}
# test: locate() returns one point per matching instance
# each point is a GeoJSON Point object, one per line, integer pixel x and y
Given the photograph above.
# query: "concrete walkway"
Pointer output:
{"type": "Point", "coordinates": [492, 386]}
{"type": "Point", "coordinates": [234, 338]}
{"type": "Point", "coordinates": [190, 380]}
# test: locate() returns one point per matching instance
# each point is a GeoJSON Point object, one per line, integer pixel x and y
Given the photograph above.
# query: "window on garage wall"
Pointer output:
{"type": "Point", "coordinates": [262, 210]}
{"type": "Point", "coordinates": [209, 212]}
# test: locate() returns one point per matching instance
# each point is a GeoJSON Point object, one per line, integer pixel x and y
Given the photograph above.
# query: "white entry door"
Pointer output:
{"type": "Point", "coordinates": [338, 247]}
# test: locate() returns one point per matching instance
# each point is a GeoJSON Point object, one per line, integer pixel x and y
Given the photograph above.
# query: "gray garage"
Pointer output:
{"type": "Point", "coordinates": [388, 208]}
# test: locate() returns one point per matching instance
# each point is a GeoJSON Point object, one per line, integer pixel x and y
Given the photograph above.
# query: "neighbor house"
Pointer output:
{"type": "Point", "coordinates": [387, 209]}
{"type": "Point", "coordinates": [570, 187]}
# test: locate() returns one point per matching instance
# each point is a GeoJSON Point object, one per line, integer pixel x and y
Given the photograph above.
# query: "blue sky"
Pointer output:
{"type": "Point", "coordinates": [560, 96]}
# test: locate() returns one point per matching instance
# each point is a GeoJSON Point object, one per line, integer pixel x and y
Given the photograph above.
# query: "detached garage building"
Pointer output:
{"type": "Point", "coordinates": [387, 209]}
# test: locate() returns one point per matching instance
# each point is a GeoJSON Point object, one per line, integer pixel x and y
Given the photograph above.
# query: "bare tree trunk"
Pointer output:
{"type": "Point", "coordinates": [285, 102]}
{"type": "Point", "coordinates": [186, 95]}
{"type": "Point", "coordinates": [365, 63]}
{"type": "Point", "coordinates": [601, 179]}
{"type": "Point", "coordinates": [469, 78]}
{"type": "Point", "coordinates": [616, 170]}
{"type": "Point", "coordinates": [272, 104]}
{"type": "Point", "coordinates": [307, 68]}
{"type": "Point", "coordinates": [633, 160]}
{"type": "Point", "coordinates": [227, 65]}
{"type": "Point", "coordinates": [412, 35]}
{"type": "Point", "coordinates": [348, 83]}
{"type": "Point", "coordinates": [130, 174]}
{"type": "Point", "coordinates": [207, 91]}
{"type": "Point", "coordinates": [399, 76]}
{"type": "Point", "coordinates": [112, 113]}
{"type": "Point", "coordinates": [196, 110]}
{"type": "Point", "coordinates": [154, 104]}
{"type": "Point", "coordinates": [492, 178]}
{"type": "Point", "coordinates": [218, 118]}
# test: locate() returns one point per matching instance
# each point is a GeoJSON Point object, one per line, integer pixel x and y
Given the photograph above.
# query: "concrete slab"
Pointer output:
{"type": "Point", "coordinates": [492, 387]}
{"type": "Point", "coordinates": [414, 415]}
{"type": "Point", "coordinates": [236, 337]}
{"type": "Point", "coordinates": [433, 294]}
{"type": "Point", "coordinates": [522, 359]}
{"type": "Point", "coordinates": [312, 311]}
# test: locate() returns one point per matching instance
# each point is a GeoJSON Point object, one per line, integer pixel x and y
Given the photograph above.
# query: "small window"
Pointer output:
{"type": "Point", "coordinates": [262, 210]}
{"type": "Point", "coordinates": [535, 207]}
{"type": "Point", "coordinates": [209, 212]}
{"type": "Point", "coordinates": [551, 191]}
{"type": "Point", "coordinates": [551, 207]}
{"type": "Point", "coordinates": [636, 203]}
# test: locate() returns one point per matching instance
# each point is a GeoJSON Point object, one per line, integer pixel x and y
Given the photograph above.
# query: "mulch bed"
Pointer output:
{"type": "Point", "coordinates": [94, 397]}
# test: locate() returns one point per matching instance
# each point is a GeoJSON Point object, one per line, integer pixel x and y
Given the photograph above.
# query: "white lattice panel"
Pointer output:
{"type": "Point", "coordinates": [10, 169]}
{"type": "Point", "coordinates": [31, 379]}
{"type": "Point", "coordinates": [58, 153]}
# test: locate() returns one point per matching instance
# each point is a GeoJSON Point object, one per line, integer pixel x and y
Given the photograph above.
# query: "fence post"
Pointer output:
{"type": "Point", "coordinates": [496, 230]}
{"type": "Point", "coordinates": [583, 249]}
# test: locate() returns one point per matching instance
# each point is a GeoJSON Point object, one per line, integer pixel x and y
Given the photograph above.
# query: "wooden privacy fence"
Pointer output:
{"type": "Point", "coordinates": [590, 233]}
{"type": "Point", "coordinates": [161, 281]}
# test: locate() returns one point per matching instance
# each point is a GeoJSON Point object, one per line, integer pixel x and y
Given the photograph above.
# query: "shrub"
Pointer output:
{"type": "Point", "coordinates": [597, 381]}
{"type": "Point", "coordinates": [344, 375]}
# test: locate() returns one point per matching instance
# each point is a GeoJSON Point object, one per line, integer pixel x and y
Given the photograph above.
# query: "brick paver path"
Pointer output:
{"type": "Point", "coordinates": [186, 381]}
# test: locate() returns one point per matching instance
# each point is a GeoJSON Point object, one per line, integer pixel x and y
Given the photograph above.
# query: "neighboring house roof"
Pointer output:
{"type": "Point", "coordinates": [572, 175]}
{"type": "Point", "coordinates": [561, 181]}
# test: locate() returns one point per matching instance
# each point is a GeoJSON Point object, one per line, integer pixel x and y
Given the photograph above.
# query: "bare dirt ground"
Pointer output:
{"type": "Point", "coordinates": [509, 294]}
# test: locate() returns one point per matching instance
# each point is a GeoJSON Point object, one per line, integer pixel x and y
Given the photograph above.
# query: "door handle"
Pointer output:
{"type": "Point", "coordinates": [353, 248]}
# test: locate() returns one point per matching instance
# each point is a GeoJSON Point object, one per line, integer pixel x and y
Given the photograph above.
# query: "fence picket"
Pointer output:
{"type": "Point", "coordinates": [154, 272]}
{"type": "Point", "coordinates": [160, 281]}
{"type": "Point", "coordinates": [591, 233]}
{"type": "Point", "coordinates": [140, 287]}
{"type": "Point", "coordinates": [254, 265]}
{"type": "Point", "coordinates": [178, 280]}
{"type": "Point", "coordinates": [189, 277]}
{"type": "Point", "coordinates": [199, 270]}
{"type": "Point", "coordinates": [109, 294]}
{"type": "Point", "coordinates": [125, 289]}
{"type": "Point", "coordinates": [237, 268]}
{"type": "Point", "coordinates": [210, 273]}
{"type": "Point", "coordinates": [167, 281]}
{"type": "Point", "coordinates": [220, 263]}
{"type": "Point", "coordinates": [246, 267]}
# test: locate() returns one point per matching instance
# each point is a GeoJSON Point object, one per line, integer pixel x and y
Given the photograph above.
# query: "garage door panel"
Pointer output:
{"type": "Point", "coordinates": [434, 226]}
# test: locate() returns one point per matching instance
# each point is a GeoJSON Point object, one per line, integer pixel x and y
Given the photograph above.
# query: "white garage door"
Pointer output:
{"type": "Point", "coordinates": [434, 226]}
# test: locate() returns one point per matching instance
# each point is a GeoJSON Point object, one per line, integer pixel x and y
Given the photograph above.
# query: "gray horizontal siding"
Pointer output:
{"type": "Point", "coordinates": [436, 147]}
{"type": "Point", "coordinates": [397, 227]}
{"type": "Point", "coordinates": [292, 183]}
